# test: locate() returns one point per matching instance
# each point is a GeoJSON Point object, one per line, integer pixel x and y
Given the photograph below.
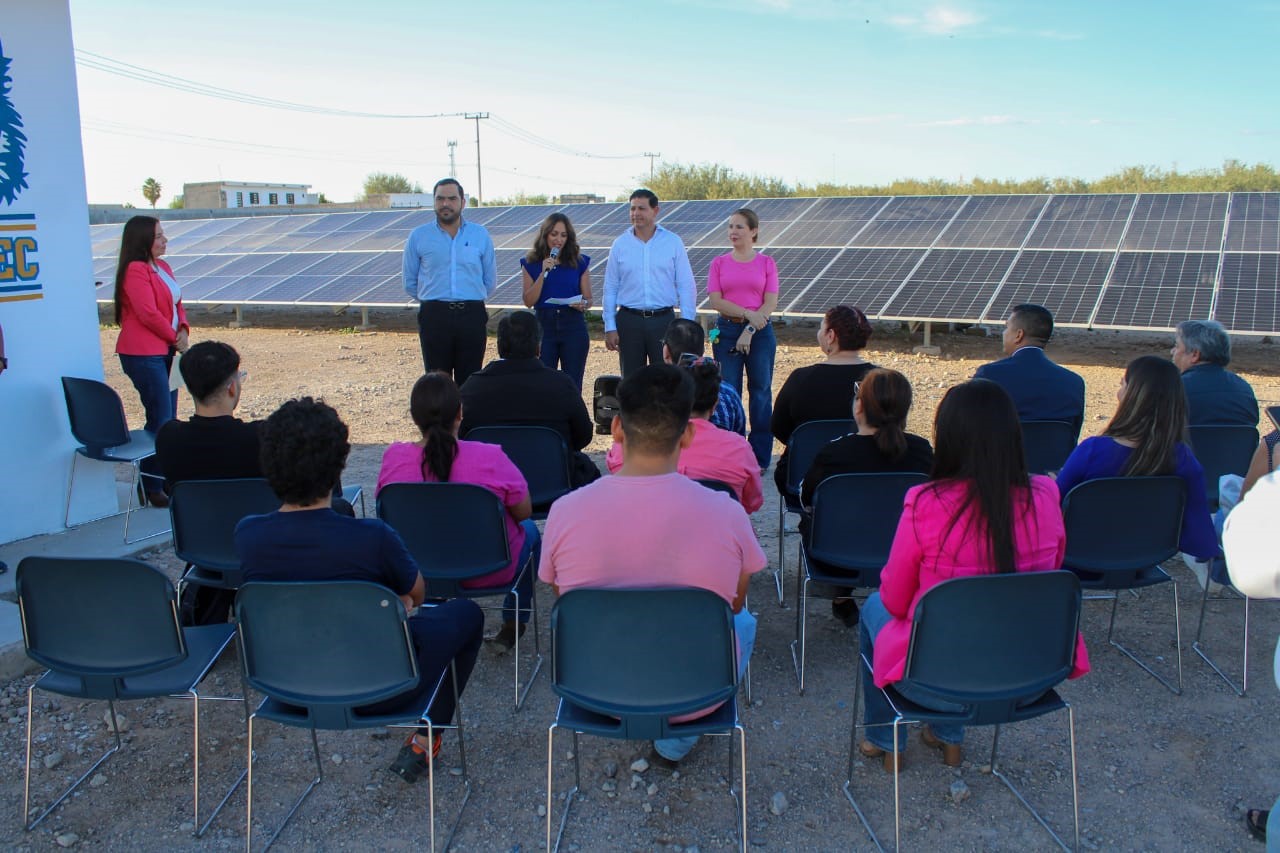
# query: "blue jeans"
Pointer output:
{"type": "Point", "coordinates": [532, 546]}
{"type": "Point", "coordinates": [564, 340]}
{"type": "Point", "coordinates": [758, 364]}
{"type": "Point", "coordinates": [150, 376]}
{"type": "Point", "coordinates": [877, 712]}
{"type": "Point", "coordinates": [744, 625]}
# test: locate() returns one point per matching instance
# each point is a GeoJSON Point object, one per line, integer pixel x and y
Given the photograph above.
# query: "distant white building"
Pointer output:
{"type": "Point", "coordinates": [213, 194]}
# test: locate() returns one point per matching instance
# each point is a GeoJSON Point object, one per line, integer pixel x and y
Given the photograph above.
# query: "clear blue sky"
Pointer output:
{"type": "Point", "coordinates": [805, 90]}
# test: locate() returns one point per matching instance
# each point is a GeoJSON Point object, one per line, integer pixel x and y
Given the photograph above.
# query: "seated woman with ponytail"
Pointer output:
{"type": "Point", "coordinates": [440, 457]}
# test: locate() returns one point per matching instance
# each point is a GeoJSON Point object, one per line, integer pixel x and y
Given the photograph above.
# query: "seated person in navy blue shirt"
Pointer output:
{"type": "Point", "coordinates": [304, 448]}
{"type": "Point", "coordinates": [685, 337]}
{"type": "Point", "coordinates": [1202, 351]}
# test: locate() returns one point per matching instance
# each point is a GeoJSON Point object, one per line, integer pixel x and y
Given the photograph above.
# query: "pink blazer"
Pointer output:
{"type": "Point", "coordinates": [928, 550]}
{"type": "Point", "coordinates": [146, 313]}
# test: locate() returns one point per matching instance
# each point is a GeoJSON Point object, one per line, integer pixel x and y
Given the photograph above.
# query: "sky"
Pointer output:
{"type": "Point", "coordinates": [846, 91]}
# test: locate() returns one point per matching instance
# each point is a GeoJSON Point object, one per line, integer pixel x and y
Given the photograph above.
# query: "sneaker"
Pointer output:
{"type": "Point", "coordinates": [412, 760]}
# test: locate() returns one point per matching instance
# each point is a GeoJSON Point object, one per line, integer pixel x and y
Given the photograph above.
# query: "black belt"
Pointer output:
{"type": "Point", "coordinates": [456, 304]}
{"type": "Point", "coordinates": [647, 312]}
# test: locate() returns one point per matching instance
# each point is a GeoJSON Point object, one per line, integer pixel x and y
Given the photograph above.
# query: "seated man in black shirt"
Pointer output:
{"type": "Point", "coordinates": [304, 448]}
{"type": "Point", "coordinates": [519, 390]}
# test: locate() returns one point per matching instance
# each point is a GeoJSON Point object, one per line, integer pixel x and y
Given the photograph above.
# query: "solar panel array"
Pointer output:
{"type": "Point", "coordinates": [1124, 261]}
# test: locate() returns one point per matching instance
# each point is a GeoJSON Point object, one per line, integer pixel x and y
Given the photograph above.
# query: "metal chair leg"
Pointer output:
{"type": "Point", "coordinates": [742, 790]}
{"type": "Point", "coordinates": [1198, 647]}
{"type": "Point", "coordinates": [521, 695]}
{"type": "Point", "coordinates": [1075, 794]}
{"type": "Point", "coordinates": [248, 834]}
{"type": "Point", "coordinates": [802, 598]}
{"type": "Point", "coordinates": [26, 784]}
{"type": "Point", "coordinates": [781, 570]}
{"type": "Point", "coordinates": [572, 793]}
{"type": "Point", "coordinates": [1177, 628]}
{"type": "Point", "coordinates": [200, 828]}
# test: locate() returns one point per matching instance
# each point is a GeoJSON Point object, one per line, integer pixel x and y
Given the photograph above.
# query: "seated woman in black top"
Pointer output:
{"type": "Point", "coordinates": [881, 445]}
{"type": "Point", "coordinates": [823, 391]}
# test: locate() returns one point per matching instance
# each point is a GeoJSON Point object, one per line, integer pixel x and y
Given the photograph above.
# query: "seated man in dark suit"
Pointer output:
{"type": "Point", "coordinates": [1041, 390]}
{"type": "Point", "coordinates": [1202, 351]}
{"type": "Point", "coordinates": [686, 337]}
{"type": "Point", "coordinates": [519, 390]}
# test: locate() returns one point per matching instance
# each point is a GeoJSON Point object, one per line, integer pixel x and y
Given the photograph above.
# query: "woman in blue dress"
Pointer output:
{"type": "Point", "coordinates": [557, 285]}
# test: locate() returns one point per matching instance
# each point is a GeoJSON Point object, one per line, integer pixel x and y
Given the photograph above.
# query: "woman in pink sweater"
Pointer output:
{"type": "Point", "coordinates": [979, 514]}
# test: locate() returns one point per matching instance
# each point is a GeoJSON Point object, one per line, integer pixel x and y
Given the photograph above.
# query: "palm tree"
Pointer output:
{"type": "Point", "coordinates": [151, 190]}
{"type": "Point", "coordinates": [13, 179]}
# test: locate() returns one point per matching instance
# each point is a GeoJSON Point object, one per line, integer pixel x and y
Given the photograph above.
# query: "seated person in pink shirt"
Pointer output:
{"type": "Point", "coordinates": [440, 457]}
{"type": "Point", "coordinates": [677, 532]}
{"type": "Point", "coordinates": [713, 454]}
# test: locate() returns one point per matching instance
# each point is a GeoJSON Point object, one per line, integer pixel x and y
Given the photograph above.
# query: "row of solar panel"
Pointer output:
{"type": "Point", "coordinates": [1083, 288]}
{"type": "Point", "coordinates": [1186, 222]}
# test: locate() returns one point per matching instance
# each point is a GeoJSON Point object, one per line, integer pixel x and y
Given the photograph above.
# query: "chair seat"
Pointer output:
{"type": "Point", "coordinates": [579, 719]}
{"type": "Point", "coordinates": [1136, 579]}
{"type": "Point", "coordinates": [823, 572]}
{"type": "Point", "coordinates": [1046, 703]}
{"type": "Point", "coordinates": [204, 644]}
{"type": "Point", "coordinates": [293, 715]}
{"type": "Point", "coordinates": [231, 578]}
{"type": "Point", "coordinates": [141, 445]}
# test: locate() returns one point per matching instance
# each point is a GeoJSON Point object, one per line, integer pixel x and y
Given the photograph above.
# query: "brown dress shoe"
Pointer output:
{"type": "Point", "coordinates": [158, 499]}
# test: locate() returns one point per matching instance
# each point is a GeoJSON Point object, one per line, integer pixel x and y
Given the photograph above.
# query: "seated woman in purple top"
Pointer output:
{"type": "Point", "coordinates": [440, 457]}
{"type": "Point", "coordinates": [556, 269]}
{"type": "Point", "coordinates": [1146, 438]}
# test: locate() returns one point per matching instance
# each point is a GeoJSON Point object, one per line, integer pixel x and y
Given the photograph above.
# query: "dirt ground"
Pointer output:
{"type": "Point", "coordinates": [1156, 771]}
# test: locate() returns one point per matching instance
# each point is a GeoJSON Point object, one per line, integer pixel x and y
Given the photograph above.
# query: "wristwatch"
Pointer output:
{"type": "Point", "coordinates": [750, 328]}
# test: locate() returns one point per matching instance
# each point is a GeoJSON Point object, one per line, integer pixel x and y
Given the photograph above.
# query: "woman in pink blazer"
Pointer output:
{"type": "Point", "coordinates": [979, 514]}
{"type": "Point", "coordinates": [153, 327]}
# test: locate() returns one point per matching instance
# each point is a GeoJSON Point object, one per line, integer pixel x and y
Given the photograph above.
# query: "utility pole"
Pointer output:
{"type": "Point", "coordinates": [453, 150]}
{"type": "Point", "coordinates": [652, 156]}
{"type": "Point", "coordinates": [479, 181]}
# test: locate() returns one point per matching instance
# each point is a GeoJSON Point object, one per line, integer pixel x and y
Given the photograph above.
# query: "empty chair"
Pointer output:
{"type": "Point", "coordinates": [204, 515]}
{"type": "Point", "coordinates": [625, 661]}
{"type": "Point", "coordinates": [1019, 643]}
{"type": "Point", "coordinates": [321, 652]}
{"type": "Point", "coordinates": [1222, 449]}
{"type": "Point", "coordinates": [1047, 444]}
{"type": "Point", "coordinates": [804, 445]}
{"type": "Point", "coordinates": [98, 422]}
{"type": "Point", "coordinates": [108, 629]}
{"type": "Point", "coordinates": [541, 455]}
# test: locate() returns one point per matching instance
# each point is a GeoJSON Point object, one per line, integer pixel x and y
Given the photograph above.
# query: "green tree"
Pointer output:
{"type": "Point", "coordinates": [711, 180]}
{"type": "Point", "coordinates": [177, 203]}
{"type": "Point", "coordinates": [151, 190]}
{"type": "Point", "coordinates": [381, 183]}
{"type": "Point", "coordinates": [517, 199]}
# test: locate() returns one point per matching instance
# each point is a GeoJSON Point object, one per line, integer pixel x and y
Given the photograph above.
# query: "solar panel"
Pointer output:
{"type": "Point", "coordinates": [1179, 222]}
{"type": "Point", "coordinates": [910, 221]}
{"type": "Point", "coordinates": [1254, 224]}
{"type": "Point", "coordinates": [830, 222]}
{"type": "Point", "coordinates": [479, 215]}
{"type": "Point", "coordinates": [1082, 222]}
{"type": "Point", "coordinates": [798, 267]}
{"type": "Point", "coordinates": [242, 289]}
{"type": "Point", "coordinates": [993, 222]}
{"type": "Point", "coordinates": [1247, 296]}
{"type": "Point", "coordinates": [583, 215]}
{"type": "Point", "coordinates": [190, 266]}
{"type": "Point", "coordinates": [292, 264]}
{"type": "Point", "coordinates": [602, 233]}
{"type": "Point", "coordinates": [950, 284]}
{"type": "Point", "coordinates": [199, 289]}
{"type": "Point", "coordinates": [388, 293]}
{"type": "Point", "coordinates": [862, 277]}
{"type": "Point", "coordinates": [1157, 290]}
{"type": "Point", "coordinates": [290, 289]}
{"type": "Point", "coordinates": [205, 228]}
{"type": "Point", "coordinates": [700, 261]}
{"type": "Point", "coordinates": [104, 268]}
{"type": "Point", "coordinates": [1067, 283]}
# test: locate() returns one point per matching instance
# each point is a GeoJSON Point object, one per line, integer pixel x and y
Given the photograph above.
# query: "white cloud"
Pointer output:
{"type": "Point", "coordinates": [977, 121]}
{"type": "Point", "coordinates": [938, 20]}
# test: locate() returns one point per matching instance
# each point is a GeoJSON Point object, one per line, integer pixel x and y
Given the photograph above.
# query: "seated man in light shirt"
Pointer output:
{"type": "Point", "coordinates": [647, 276]}
{"type": "Point", "coordinates": [676, 532]}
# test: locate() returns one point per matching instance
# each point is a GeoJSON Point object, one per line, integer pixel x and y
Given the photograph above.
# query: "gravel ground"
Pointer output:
{"type": "Point", "coordinates": [1156, 771]}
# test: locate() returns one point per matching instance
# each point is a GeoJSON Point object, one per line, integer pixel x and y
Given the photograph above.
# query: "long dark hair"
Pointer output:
{"type": "Point", "coordinates": [540, 251]}
{"type": "Point", "coordinates": [977, 442]}
{"type": "Point", "coordinates": [886, 402]}
{"type": "Point", "coordinates": [135, 245]}
{"type": "Point", "coordinates": [434, 405]}
{"type": "Point", "coordinates": [1152, 414]}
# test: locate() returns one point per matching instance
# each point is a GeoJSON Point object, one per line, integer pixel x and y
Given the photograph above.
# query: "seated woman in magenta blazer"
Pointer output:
{"type": "Point", "coordinates": [979, 514]}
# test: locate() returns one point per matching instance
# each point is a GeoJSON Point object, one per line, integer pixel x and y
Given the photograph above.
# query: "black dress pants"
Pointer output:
{"type": "Point", "coordinates": [452, 335]}
{"type": "Point", "coordinates": [640, 337]}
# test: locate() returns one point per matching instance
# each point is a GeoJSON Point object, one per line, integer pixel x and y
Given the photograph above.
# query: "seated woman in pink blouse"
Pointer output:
{"type": "Point", "coordinates": [979, 514]}
{"type": "Point", "coordinates": [440, 457]}
{"type": "Point", "coordinates": [711, 453]}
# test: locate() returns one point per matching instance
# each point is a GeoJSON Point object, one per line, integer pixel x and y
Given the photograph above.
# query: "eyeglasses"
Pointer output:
{"type": "Point", "coordinates": [857, 387]}
{"type": "Point", "coordinates": [689, 359]}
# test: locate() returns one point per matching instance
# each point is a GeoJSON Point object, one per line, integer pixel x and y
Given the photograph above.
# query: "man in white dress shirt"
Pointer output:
{"type": "Point", "coordinates": [647, 276]}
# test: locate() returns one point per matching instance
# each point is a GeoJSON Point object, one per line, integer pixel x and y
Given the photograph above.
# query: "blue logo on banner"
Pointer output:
{"type": "Point", "coordinates": [13, 180]}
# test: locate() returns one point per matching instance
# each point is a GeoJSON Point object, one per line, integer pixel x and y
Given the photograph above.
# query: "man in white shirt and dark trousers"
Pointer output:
{"type": "Point", "coordinates": [449, 267]}
{"type": "Point", "coordinates": [647, 276]}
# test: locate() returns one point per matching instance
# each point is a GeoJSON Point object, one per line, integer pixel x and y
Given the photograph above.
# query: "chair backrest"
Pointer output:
{"type": "Point", "coordinates": [539, 452]}
{"type": "Point", "coordinates": [855, 517]}
{"type": "Point", "coordinates": [1047, 444]}
{"type": "Point", "coordinates": [204, 515]}
{"type": "Point", "coordinates": [99, 620]}
{"type": "Point", "coordinates": [1119, 526]}
{"type": "Point", "coordinates": [989, 641]}
{"type": "Point", "coordinates": [96, 413]}
{"type": "Point", "coordinates": [454, 531]}
{"type": "Point", "coordinates": [718, 486]}
{"type": "Point", "coordinates": [806, 441]}
{"type": "Point", "coordinates": [642, 655]}
{"type": "Point", "coordinates": [326, 646]}
{"type": "Point", "coordinates": [1222, 449]}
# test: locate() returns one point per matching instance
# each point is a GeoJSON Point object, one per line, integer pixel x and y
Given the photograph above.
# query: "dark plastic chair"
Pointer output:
{"type": "Point", "coordinates": [623, 661]}
{"type": "Point", "coordinates": [804, 445]}
{"type": "Point", "coordinates": [1047, 444]}
{"type": "Point", "coordinates": [456, 532]}
{"type": "Point", "coordinates": [1222, 449]}
{"type": "Point", "coordinates": [320, 651]}
{"type": "Point", "coordinates": [998, 645]}
{"type": "Point", "coordinates": [718, 486]}
{"type": "Point", "coordinates": [98, 422]}
{"type": "Point", "coordinates": [541, 455]}
{"type": "Point", "coordinates": [855, 517]}
{"type": "Point", "coordinates": [108, 629]}
{"type": "Point", "coordinates": [1119, 531]}
{"type": "Point", "coordinates": [204, 515]}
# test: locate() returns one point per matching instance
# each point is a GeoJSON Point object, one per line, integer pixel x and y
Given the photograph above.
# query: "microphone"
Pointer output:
{"type": "Point", "coordinates": [555, 254]}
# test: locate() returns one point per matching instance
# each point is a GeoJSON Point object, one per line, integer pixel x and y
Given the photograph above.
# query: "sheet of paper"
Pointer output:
{"type": "Point", "coordinates": [565, 300]}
